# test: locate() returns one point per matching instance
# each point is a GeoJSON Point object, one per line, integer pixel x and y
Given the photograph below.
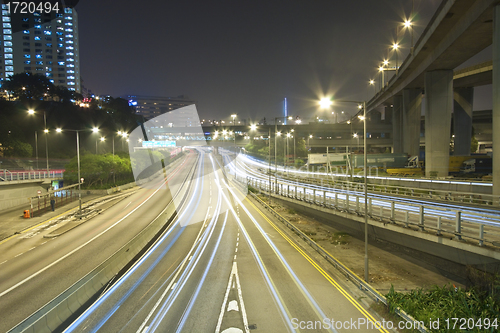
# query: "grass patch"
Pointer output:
{"type": "Point", "coordinates": [448, 302]}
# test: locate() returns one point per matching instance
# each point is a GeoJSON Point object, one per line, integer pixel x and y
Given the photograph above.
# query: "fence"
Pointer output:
{"type": "Point", "coordinates": [6, 175]}
{"type": "Point", "coordinates": [41, 204]}
{"type": "Point", "coordinates": [480, 226]}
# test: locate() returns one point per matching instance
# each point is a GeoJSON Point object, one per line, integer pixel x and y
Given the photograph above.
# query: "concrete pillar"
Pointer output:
{"type": "Point", "coordinates": [462, 120]}
{"type": "Point", "coordinates": [496, 99]}
{"type": "Point", "coordinates": [412, 106]}
{"type": "Point", "coordinates": [438, 107]}
{"type": "Point", "coordinates": [397, 121]}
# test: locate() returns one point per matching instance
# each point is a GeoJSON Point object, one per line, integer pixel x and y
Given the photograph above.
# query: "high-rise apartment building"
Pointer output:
{"type": "Point", "coordinates": [41, 41]}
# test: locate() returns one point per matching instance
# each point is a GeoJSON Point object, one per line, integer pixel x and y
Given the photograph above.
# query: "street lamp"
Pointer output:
{"type": "Point", "coordinates": [395, 47]}
{"type": "Point", "coordinates": [362, 105]}
{"type": "Point", "coordinates": [45, 131]}
{"type": "Point", "coordinates": [94, 130]}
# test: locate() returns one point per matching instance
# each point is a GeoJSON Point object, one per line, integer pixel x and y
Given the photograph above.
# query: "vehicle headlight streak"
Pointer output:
{"type": "Point", "coordinates": [104, 297]}
{"type": "Point", "coordinates": [284, 312]}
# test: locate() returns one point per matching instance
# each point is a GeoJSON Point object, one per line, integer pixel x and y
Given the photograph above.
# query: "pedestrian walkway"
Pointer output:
{"type": "Point", "coordinates": [13, 222]}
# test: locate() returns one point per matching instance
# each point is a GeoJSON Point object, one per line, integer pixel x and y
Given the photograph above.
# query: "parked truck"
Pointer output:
{"type": "Point", "coordinates": [478, 165]}
{"type": "Point", "coordinates": [416, 166]}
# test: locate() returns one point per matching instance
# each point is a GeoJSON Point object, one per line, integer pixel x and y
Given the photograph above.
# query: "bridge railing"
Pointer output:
{"type": "Point", "coordinates": [6, 175]}
{"type": "Point", "coordinates": [414, 192]}
{"type": "Point", "coordinates": [477, 226]}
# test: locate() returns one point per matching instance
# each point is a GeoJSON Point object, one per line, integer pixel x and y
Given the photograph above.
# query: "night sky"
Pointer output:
{"type": "Point", "coordinates": [243, 57]}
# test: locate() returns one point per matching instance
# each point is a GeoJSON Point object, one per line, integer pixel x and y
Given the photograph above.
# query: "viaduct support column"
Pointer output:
{"type": "Point", "coordinates": [462, 120]}
{"type": "Point", "coordinates": [397, 124]}
{"type": "Point", "coordinates": [412, 105]}
{"type": "Point", "coordinates": [496, 100]}
{"type": "Point", "coordinates": [438, 107]}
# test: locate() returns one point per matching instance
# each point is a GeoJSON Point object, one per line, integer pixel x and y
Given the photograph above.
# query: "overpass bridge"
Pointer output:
{"type": "Point", "coordinates": [458, 31]}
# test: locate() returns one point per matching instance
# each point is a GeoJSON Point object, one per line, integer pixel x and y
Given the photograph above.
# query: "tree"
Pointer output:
{"type": "Point", "coordinates": [26, 86]}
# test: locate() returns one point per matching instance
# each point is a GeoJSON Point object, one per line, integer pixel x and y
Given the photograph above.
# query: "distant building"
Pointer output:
{"type": "Point", "coordinates": [41, 42]}
{"type": "Point", "coordinates": [152, 106]}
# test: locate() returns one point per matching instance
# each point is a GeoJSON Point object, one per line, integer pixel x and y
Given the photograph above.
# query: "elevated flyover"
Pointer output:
{"type": "Point", "coordinates": [457, 31]}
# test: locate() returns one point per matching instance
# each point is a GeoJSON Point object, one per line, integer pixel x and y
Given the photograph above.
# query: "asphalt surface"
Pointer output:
{"type": "Point", "coordinates": [223, 266]}
{"type": "Point", "coordinates": [35, 269]}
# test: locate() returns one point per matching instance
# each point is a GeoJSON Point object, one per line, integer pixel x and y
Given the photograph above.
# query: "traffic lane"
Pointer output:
{"type": "Point", "coordinates": [136, 294]}
{"type": "Point", "coordinates": [333, 300]}
{"type": "Point", "coordinates": [21, 302]}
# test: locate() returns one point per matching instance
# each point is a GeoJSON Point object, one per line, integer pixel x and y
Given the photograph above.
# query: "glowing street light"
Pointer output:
{"type": "Point", "coordinates": [325, 103]}
{"type": "Point", "coordinates": [253, 127]}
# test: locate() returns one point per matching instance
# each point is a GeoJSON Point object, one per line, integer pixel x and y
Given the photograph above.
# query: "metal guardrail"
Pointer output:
{"type": "Point", "coordinates": [459, 197]}
{"type": "Point", "coordinates": [6, 175]}
{"type": "Point", "coordinates": [459, 223]}
{"type": "Point", "coordinates": [377, 296]}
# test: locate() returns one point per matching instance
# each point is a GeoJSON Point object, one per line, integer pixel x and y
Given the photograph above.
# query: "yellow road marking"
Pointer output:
{"type": "Point", "coordinates": [320, 270]}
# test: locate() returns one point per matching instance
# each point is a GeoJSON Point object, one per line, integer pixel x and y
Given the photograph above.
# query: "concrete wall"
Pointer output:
{"type": "Point", "coordinates": [16, 194]}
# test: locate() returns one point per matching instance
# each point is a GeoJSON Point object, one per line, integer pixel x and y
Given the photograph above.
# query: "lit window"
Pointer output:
{"type": "Point", "coordinates": [6, 19]}
{"type": "Point", "coordinates": [27, 56]}
{"type": "Point", "coordinates": [38, 56]}
{"type": "Point", "coordinates": [59, 21]}
{"type": "Point", "coordinates": [69, 36]}
{"type": "Point", "coordinates": [27, 62]}
{"type": "Point", "coordinates": [47, 32]}
{"type": "Point", "coordinates": [68, 10]}
{"type": "Point", "coordinates": [7, 25]}
{"type": "Point", "coordinates": [71, 83]}
{"type": "Point", "coordinates": [37, 38]}
{"type": "Point", "coordinates": [68, 65]}
{"type": "Point", "coordinates": [69, 47]}
{"type": "Point", "coordinates": [68, 23]}
{"type": "Point", "coordinates": [68, 30]}
{"type": "Point", "coordinates": [9, 68]}
{"type": "Point", "coordinates": [9, 73]}
{"type": "Point", "coordinates": [69, 42]}
{"type": "Point", "coordinates": [39, 62]}
{"type": "Point", "coordinates": [36, 14]}
{"type": "Point", "coordinates": [68, 54]}
{"type": "Point", "coordinates": [49, 75]}
{"type": "Point", "coordinates": [51, 81]}
{"type": "Point", "coordinates": [59, 33]}
{"type": "Point", "coordinates": [60, 63]}
{"type": "Point", "coordinates": [7, 31]}
{"type": "Point", "coordinates": [9, 62]}
{"type": "Point", "coordinates": [8, 56]}
{"type": "Point", "coordinates": [26, 32]}
{"type": "Point", "coordinates": [5, 12]}
{"type": "Point", "coordinates": [70, 59]}
{"type": "Point", "coordinates": [7, 43]}
{"type": "Point", "coordinates": [8, 37]}
{"type": "Point", "coordinates": [70, 71]}
{"type": "Point", "coordinates": [38, 26]}
{"type": "Point", "coordinates": [48, 69]}
{"type": "Point", "coordinates": [8, 50]}
{"type": "Point", "coordinates": [60, 45]}
{"type": "Point", "coordinates": [70, 77]}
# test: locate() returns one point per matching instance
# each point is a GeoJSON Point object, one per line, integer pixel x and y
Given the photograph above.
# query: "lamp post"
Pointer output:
{"type": "Point", "coordinates": [94, 130]}
{"type": "Point", "coordinates": [395, 47]}
{"type": "Point", "coordinates": [234, 117]}
{"type": "Point", "coordinates": [45, 131]}
{"type": "Point", "coordinates": [361, 105]}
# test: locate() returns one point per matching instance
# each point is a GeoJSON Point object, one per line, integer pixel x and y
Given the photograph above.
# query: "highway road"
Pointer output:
{"type": "Point", "coordinates": [34, 269]}
{"type": "Point", "coordinates": [223, 266]}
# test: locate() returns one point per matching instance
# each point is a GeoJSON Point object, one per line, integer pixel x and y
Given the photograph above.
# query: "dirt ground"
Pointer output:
{"type": "Point", "coordinates": [386, 266]}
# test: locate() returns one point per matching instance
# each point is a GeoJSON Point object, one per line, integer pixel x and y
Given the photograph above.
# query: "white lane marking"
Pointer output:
{"type": "Point", "coordinates": [128, 204]}
{"type": "Point", "coordinates": [78, 248]}
{"type": "Point", "coordinates": [236, 250]}
{"type": "Point", "coordinates": [31, 248]}
{"type": "Point", "coordinates": [173, 286]}
{"type": "Point", "coordinates": [3, 262]}
{"type": "Point", "coordinates": [234, 273]}
{"type": "Point", "coordinates": [19, 254]}
{"type": "Point", "coordinates": [145, 329]}
{"type": "Point", "coordinates": [190, 258]}
{"type": "Point", "coordinates": [44, 242]}
{"type": "Point", "coordinates": [235, 257]}
{"type": "Point", "coordinates": [237, 244]}
{"type": "Point", "coordinates": [233, 306]}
